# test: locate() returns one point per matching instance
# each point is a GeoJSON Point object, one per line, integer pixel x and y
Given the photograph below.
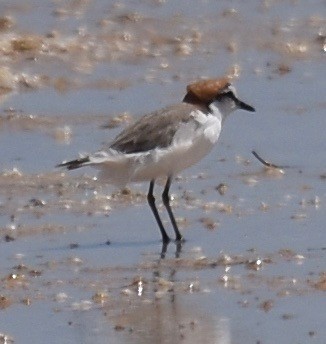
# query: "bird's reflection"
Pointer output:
{"type": "Point", "coordinates": [178, 248]}
{"type": "Point", "coordinates": [168, 311]}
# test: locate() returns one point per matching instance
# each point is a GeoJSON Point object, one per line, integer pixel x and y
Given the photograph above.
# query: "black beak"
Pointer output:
{"type": "Point", "coordinates": [240, 104]}
{"type": "Point", "coordinates": [244, 106]}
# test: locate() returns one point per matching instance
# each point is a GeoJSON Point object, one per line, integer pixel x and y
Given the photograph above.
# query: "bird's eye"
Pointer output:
{"type": "Point", "coordinates": [229, 94]}
{"type": "Point", "coordinates": [224, 95]}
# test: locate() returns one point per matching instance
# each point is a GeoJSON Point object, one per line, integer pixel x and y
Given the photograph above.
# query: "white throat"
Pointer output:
{"type": "Point", "coordinates": [222, 109]}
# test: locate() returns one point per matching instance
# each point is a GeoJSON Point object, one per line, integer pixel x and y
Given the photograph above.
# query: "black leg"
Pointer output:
{"type": "Point", "coordinates": [151, 202]}
{"type": "Point", "coordinates": [166, 202]}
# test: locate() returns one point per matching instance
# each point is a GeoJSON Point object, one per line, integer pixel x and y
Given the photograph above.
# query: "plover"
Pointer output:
{"type": "Point", "coordinates": [167, 141]}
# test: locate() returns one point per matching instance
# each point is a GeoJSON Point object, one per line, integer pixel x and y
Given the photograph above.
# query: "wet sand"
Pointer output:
{"type": "Point", "coordinates": [82, 262]}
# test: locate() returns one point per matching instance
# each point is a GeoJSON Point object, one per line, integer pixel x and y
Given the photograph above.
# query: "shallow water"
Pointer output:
{"type": "Point", "coordinates": [81, 262]}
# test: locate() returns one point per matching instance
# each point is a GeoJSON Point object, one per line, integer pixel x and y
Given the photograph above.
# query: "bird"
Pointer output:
{"type": "Point", "coordinates": [165, 142]}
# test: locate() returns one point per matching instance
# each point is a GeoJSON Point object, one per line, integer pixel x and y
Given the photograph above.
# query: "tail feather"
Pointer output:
{"type": "Point", "coordinates": [73, 164]}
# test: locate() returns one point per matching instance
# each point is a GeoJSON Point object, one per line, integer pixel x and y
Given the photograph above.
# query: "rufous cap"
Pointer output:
{"type": "Point", "coordinates": [206, 90]}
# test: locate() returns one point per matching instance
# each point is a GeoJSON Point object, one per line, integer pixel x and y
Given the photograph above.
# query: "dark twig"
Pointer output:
{"type": "Point", "coordinates": [266, 163]}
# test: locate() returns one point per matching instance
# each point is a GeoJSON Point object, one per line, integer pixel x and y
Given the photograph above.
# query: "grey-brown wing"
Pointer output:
{"type": "Point", "coordinates": [153, 130]}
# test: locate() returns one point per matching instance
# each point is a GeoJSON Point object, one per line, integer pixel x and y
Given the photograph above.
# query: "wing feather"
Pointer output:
{"type": "Point", "coordinates": [153, 130]}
